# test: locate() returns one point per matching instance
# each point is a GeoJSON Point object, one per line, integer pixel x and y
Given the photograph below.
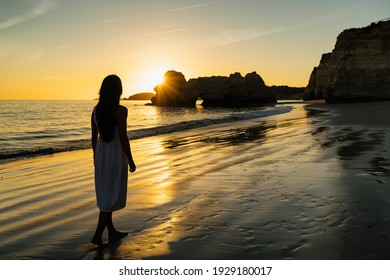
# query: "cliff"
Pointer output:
{"type": "Point", "coordinates": [358, 68]}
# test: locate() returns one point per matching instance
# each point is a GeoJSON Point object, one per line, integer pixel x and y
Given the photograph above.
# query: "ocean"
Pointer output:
{"type": "Point", "coordinates": [35, 127]}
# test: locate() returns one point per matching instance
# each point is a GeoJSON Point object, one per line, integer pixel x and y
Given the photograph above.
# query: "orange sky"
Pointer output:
{"type": "Point", "coordinates": [56, 49]}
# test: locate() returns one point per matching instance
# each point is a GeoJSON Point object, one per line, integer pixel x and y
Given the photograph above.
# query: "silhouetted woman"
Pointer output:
{"type": "Point", "coordinates": [112, 155]}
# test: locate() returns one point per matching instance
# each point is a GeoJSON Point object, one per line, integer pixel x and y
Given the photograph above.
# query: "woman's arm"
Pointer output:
{"type": "Point", "coordinates": [123, 137]}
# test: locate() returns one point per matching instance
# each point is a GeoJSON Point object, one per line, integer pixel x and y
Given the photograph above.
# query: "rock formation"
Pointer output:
{"type": "Point", "coordinates": [169, 93]}
{"type": "Point", "coordinates": [287, 93]}
{"type": "Point", "coordinates": [234, 90]}
{"type": "Point", "coordinates": [358, 68]}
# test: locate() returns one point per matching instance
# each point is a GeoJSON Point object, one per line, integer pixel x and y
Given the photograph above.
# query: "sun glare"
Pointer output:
{"type": "Point", "coordinates": [149, 77]}
{"type": "Point", "coordinates": [157, 75]}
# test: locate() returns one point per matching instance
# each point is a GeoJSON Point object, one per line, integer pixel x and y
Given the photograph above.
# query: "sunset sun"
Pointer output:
{"type": "Point", "coordinates": [148, 77]}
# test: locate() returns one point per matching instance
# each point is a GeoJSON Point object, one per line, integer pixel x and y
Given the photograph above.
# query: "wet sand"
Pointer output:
{"type": "Point", "coordinates": [309, 184]}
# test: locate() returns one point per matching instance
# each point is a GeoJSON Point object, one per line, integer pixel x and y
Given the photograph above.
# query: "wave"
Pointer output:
{"type": "Point", "coordinates": [71, 145]}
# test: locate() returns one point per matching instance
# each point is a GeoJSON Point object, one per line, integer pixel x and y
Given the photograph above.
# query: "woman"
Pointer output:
{"type": "Point", "coordinates": [112, 155]}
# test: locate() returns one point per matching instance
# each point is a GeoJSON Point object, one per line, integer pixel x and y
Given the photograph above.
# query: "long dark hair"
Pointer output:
{"type": "Point", "coordinates": [110, 93]}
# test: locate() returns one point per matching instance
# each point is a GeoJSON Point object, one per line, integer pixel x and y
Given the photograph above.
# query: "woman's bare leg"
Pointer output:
{"type": "Point", "coordinates": [101, 225]}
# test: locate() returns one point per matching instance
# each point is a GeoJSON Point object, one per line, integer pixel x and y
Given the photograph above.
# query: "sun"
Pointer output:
{"type": "Point", "coordinates": [155, 75]}
{"type": "Point", "coordinates": [148, 77]}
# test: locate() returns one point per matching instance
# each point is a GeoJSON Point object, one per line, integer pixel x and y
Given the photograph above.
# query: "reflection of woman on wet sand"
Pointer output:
{"type": "Point", "coordinates": [112, 155]}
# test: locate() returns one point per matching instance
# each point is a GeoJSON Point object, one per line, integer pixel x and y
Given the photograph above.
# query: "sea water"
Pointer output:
{"type": "Point", "coordinates": [38, 127]}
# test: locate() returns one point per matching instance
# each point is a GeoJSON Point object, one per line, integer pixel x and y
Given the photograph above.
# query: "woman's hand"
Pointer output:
{"type": "Point", "coordinates": [132, 166]}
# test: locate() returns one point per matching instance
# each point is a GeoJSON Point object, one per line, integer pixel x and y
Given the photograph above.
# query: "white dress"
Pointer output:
{"type": "Point", "coordinates": [110, 173]}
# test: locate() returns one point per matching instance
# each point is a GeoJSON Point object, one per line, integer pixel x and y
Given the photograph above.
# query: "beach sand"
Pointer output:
{"type": "Point", "coordinates": [309, 184]}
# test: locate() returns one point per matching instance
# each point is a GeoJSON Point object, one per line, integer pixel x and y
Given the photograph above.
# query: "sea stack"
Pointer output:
{"type": "Point", "coordinates": [358, 68]}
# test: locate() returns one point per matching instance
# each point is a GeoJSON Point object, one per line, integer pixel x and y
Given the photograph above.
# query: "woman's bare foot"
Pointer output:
{"type": "Point", "coordinates": [117, 235]}
{"type": "Point", "coordinates": [97, 241]}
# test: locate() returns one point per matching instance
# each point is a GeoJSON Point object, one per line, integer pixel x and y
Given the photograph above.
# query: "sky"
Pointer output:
{"type": "Point", "coordinates": [62, 49]}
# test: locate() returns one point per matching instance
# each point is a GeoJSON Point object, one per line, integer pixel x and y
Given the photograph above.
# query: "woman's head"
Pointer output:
{"type": "Point", "coordinates": [111, 90]}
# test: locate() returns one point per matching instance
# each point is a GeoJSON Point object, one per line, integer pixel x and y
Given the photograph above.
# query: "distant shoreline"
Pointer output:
{"type": "Point", "coordinates": [141, 96]}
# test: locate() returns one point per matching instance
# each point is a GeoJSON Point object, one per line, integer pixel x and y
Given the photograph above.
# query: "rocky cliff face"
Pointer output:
{"type": "Point", "coordinates": [358, 68]}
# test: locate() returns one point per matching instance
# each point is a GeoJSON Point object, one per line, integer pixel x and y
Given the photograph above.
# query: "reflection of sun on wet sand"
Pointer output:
{"type": "Point", "coordinates": [301, 185]}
